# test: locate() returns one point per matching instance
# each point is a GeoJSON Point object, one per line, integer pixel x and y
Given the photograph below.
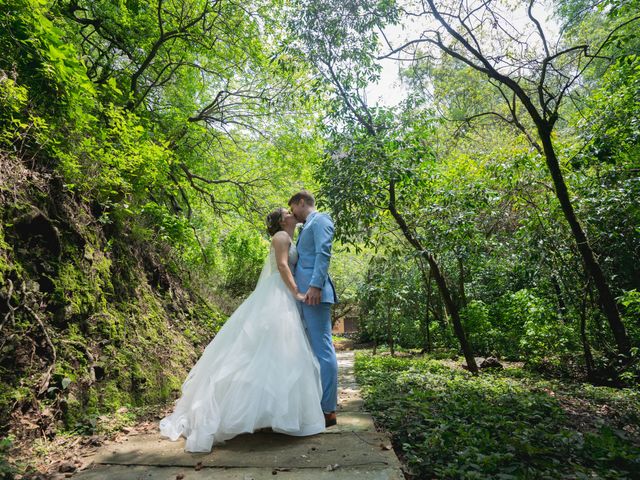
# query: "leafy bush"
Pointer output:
{"type": "Point", "coordinates": [482, 334]}
{"type": "Point", "coordinates": [631, 303]}
{"type": "Point", "coordinates": [7, 470]}
{"type": "Point", "coordinates": [531, 327]}
{"type": "Point", "coordinates": [245, 253]}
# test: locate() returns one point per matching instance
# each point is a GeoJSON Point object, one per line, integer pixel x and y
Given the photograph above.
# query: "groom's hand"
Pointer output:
{"type": "Point", "coordinates": [313, 297]}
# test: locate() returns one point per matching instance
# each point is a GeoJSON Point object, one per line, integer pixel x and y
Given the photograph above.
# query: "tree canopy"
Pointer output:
{"type": "Point", "coordinates": [492, 212]}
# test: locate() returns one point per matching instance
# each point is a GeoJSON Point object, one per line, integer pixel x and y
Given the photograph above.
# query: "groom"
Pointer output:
{"type": "Point", "coordinates": [312, 277]}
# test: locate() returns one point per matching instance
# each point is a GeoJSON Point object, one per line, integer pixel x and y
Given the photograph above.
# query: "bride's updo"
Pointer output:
{"type": "Point", "coordinates": [273, 221]}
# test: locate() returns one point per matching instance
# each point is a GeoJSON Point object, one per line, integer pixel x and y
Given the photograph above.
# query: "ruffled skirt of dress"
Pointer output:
{"type": "Point", "coordinates": [258, 371]}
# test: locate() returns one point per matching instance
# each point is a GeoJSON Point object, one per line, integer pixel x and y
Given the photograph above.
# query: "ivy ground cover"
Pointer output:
{"type": "Point", "coordinates": [508, 424]}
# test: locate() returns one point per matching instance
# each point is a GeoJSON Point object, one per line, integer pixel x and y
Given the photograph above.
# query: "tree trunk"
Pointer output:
{"type": "Point", "coordinates": [588, 357]}
{"type": "Point", "coordinates": [453, 312]}
{"type": "Point", "coordinates": [463, 295]}
{"type": "Point", "coordinates": [438, 314]}
{"type": "Point", "coordinates": [390, 332]}
{"type": "Point", "coordinates": [591, 264]}
{"type": "Point", "coordinates": [445, 292]}
{"type": "Point", "coordinates": [544, 122]}
{"type": "Point", "coordinates": [426, 332]}
{"type": "Point", "coordinates": [427, 339]}
{"type": "Point", "coordinates": [562, 306]}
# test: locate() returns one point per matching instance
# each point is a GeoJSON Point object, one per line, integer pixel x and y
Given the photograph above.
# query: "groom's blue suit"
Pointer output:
{"type": "Point", "coordinates": [314, 253]}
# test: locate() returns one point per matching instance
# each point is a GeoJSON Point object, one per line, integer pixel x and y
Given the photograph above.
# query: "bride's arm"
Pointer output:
{"type": "Point", "coordinates": [281, 242]}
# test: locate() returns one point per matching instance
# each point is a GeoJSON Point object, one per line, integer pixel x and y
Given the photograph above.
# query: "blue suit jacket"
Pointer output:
{"type": "Point", "coordinates": [314, 253]}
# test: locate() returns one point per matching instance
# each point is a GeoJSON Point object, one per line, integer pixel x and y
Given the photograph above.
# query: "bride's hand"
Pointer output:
{"type": "Point", "coordinates": [300, 296]}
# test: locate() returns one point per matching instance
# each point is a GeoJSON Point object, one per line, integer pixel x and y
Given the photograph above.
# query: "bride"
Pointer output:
{"type": "Point", "coordinates": [259, 370]}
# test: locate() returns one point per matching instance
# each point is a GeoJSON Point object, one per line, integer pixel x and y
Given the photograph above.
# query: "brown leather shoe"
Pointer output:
{"type": "Point", "coordinates": [330, 419]}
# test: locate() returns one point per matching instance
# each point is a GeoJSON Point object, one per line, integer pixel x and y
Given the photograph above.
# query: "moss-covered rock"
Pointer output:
{"type": "Point", "coordinates": [102, 319]}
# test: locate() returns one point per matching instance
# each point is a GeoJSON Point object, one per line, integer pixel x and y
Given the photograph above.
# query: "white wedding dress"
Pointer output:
{"type": "Point", "coordinates": [258, 371]}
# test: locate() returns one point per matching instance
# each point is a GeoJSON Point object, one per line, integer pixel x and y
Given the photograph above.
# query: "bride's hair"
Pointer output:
{"type": "Point", "coordinates": [273, 221]}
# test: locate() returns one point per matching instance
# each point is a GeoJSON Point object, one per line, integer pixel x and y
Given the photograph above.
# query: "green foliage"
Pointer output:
{"type": "Point", "coordinates": [339, 39]}
{"type": "Point", "coordinates": [35, 44]}
{"type": "Point", "coordinates": [347, 270]}
{"type": "Point", "coordinates": [136, 132]}
{"type": "Point", "coordinates": [358, 169]}
{"type": "Point", "coordinates": [13, 100]}
{"type": "Point", "coordinates": [533, 326]}
{"type": "Point", "coordinates": [152, 138]}
{"type": "Point", "coordinates": [449, 424]}
{"type": "Point", "coordinates": [121, 166]}
{"type": "Point", "coordinates": [245, 252]}
{"type": "Point", "coordinates": [631, 301]}
{"type": "Point", "coordinates": [135, 150]}
{"type": "Point", "coordinates": [607, 184]}
{"type": "Point", "coordinates": [469, 177]}
{"type": "Point", "coordinates": [391, 302]}
{"type": "Point", "coordinates": [486, 337]}
{"type": "Point", "coordinates": [7, 470]}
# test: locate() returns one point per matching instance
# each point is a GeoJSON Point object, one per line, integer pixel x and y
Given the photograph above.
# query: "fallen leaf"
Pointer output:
{"type": "Point", "coordinates": [198, 466]}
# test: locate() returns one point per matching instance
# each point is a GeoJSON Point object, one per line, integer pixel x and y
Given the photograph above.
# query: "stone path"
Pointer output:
{"type": "Point", "coordinates": [351, 450]}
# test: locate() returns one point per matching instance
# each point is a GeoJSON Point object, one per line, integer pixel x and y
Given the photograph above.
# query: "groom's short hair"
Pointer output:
{"type": "Point", "coordinates": [303, 195]}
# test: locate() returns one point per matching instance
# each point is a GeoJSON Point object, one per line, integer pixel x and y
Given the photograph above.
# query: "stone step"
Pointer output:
{"type": "Point", "coordinates": [270, 450]}
{"type": "Point", "coordinates": [124, 472]}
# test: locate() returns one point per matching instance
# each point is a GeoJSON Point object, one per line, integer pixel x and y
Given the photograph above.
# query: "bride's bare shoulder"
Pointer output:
{"type": "Point", "coordinates": [280, 238]}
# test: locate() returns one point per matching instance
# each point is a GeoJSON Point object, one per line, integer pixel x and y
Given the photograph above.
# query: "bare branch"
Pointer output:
{"type": "Point", "coordinates": [539, 27]}
{"type": "Point", "coordinates": [403, 47]}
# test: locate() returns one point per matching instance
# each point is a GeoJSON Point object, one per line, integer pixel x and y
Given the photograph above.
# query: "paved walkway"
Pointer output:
{"type": "Point", "coordinates": [351, 450]}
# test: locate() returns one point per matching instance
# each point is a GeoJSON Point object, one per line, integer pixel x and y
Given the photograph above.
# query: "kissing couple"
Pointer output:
{"type": "Point", "coordinates": [272, 364]}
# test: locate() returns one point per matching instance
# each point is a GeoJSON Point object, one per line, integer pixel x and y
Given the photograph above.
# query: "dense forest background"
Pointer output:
{"type": "Point", "coordinates": [494, 211]}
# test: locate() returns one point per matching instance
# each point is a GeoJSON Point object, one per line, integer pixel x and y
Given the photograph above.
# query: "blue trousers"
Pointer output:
{"type": "Point", "coordinates": [317, 321]}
